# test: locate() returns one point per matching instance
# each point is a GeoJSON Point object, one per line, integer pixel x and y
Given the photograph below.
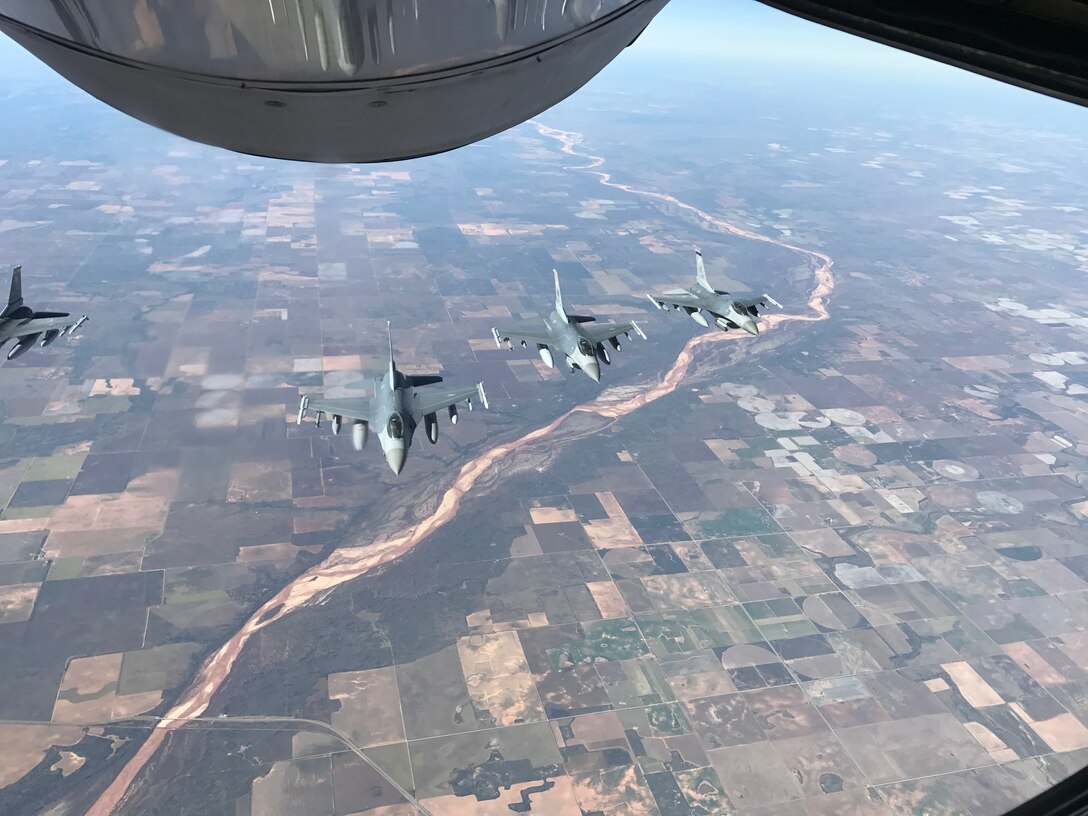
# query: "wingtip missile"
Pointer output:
{"type": "Point", "coordinates": [77, 324]}
{"type": "Point", "coordinates": [638, 330]}
{"type": "Point", "coordinates": [772, 300]}
{"type": "Point", "coordinates": [483, 396]}
{"type": "Point", "coordinates": [657, 303]}
{"type": "Point", "coordinates": [495, 334]}
{"type": "Point", "coordinates": [302, 404]}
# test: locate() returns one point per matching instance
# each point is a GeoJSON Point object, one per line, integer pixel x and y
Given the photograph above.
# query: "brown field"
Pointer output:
{"type": "Point", "coordinates": [17, 602]}
{"type": "Point", "coordinates": [609, 601]}
{"type": "Point", "coordinates": [552, 515]}
{"type": "Point", "coordinates": [260, 481]}
{"type": "Point", "coordinates": [498, 677]}
{"type": "Point", "coordinates": [24, 746]}
{"type": "Point", "coordinates": [66, 544]}
{"type": "Point", "coordinates": [369, 706]}
{"type": "Point", "coordinates": [616, 791]}
{"type": "Point", "coordinates": [610, 533]}
{"type": "Point", "coordinates": [88, 692]}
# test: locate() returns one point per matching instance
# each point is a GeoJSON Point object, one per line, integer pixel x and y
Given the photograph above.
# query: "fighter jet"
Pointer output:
{"type": "Point", "coordinates": [728, 312]}
{"type": "Point", "coordinates": [581, 345]}
{"type": "Point", "coordinates": [398, 403]}
{"type": "Point", "coordinates": [26, 325]}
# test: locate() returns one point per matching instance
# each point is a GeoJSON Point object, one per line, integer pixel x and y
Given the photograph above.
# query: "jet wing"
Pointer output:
{"type": "Point", "coordinates": [37, 325]}
{"type": "Point", "coordinates": [428, 400]}
{"type": "Point", "coordinates": [609, 331]}
{"type": "Point", "coordinates": [348, 408]}
{"type": "Point", "coordinates": [679, 298]}
{"type": "Point", "coordinates": [528, 335]}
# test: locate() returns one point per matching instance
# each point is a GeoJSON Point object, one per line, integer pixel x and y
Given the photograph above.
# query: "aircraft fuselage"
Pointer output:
{"type": "Point", "coordinates": [569, 341]}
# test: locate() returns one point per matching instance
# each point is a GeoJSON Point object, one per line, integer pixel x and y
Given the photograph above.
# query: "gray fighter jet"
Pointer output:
{"type": "Point", "coordinates": [581, 345]}
{"type": "Point", "coordinates": [26, 325]}
{"type": "Point", "coordinates": [728, 312]}
{"type": "Point", "coordinates": [398, 403]}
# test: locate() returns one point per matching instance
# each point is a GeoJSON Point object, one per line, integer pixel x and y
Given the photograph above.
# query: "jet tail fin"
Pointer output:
{"type": "Point", "coordinates": [392, 362]}
{"type": "Point", "coordinates": [15, 296]}
{"type": "Point", "coordinates": [700, 271]}
{"type": "Point", "coordinates": [559, 309]}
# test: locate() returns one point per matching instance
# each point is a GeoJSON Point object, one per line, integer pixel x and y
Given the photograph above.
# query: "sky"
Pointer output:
{"type": "Point", "coordinates": [744, 29]}
{"type": "Point", "coordinates": [728, 39]}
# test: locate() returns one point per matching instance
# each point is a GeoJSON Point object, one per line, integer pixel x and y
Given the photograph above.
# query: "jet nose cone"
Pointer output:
{"type": "Point", "coordinates": [593, 370]}
{"type": "Point", "coordinates": [395, 458]}
{"type": "Point", "coordinates": [750, 327]}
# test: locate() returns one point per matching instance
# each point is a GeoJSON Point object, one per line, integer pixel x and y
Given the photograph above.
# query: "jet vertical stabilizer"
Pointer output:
{"type": "Point", "coordinates": [559, 309]}
{"type": "Point", "coordinates": [392, 362]}
{"type": "Point", "coordinates": [15, 296]}
{"type": "Point", "coordinates": [700, 272]}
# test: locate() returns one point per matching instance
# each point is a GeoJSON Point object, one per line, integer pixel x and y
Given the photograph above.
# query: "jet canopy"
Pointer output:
{"type": "Point", "coordinates": [329, 80]}
{"type": "Point", "coordinates": [395, 427]}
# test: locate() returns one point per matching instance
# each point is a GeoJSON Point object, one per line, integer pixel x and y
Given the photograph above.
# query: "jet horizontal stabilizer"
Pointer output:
{"type": "Point", "coordinates": [415, 381]}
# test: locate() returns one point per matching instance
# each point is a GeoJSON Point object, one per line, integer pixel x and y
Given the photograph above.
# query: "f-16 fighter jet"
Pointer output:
{"type": "Point", "coordinates": [727, 311]}
{"type": "Point", "coordinates": [582, 345]}
{"type": "Point", "coordinates": [398, 403]}
{"type": "Point", "coordinates": [26, 325]}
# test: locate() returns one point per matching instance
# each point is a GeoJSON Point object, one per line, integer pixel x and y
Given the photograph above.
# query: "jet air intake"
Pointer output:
{"type": "Point", "coordinates": [329, 80]}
